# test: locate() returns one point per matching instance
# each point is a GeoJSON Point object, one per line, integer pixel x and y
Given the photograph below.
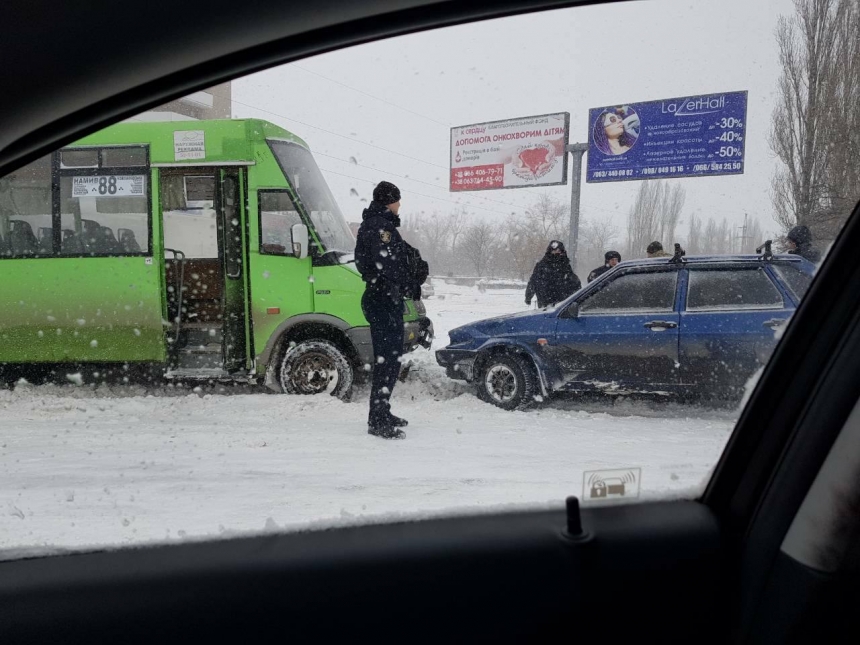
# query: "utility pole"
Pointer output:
{"type": "Point", "coordinates": [576, 150]}
{"type": "Point", "coordinates": [743, 235]}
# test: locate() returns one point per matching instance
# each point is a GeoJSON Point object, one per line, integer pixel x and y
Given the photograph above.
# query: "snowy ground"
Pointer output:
{"type": "Point", "coordinates": [83, 466]}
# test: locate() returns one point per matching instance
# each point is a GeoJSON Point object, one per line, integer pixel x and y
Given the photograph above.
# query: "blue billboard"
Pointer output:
{"type": "Point", "coordinates": [691, 136]}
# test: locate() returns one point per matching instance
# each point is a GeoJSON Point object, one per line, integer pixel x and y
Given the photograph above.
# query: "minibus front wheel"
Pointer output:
{"type": "Point", "coordinates": [316, 367]}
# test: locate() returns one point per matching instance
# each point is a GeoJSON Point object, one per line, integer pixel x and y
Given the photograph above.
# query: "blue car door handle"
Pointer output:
{"type": "Point", "coordinates": [660, 325]}
{"type": "Point", "coordinates": [773, 322]}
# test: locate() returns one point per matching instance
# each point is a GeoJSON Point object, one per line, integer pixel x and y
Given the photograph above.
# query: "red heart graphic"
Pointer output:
{"type": "Point", "coordinates": [534, 158]}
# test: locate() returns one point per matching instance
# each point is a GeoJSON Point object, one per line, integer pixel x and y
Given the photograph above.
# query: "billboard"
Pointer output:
{"type": "Point", "coordinates": [693, 136]}
{"type": "Point", "coordinates": [515, 153]}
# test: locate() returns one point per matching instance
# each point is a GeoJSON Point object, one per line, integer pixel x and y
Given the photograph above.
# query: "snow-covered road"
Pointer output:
{"type": "Point", "coordinates": [83, 466]}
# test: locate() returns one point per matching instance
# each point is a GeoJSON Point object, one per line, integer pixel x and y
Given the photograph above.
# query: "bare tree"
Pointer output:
{"type": "Point", "coordinates": [526, 236]}
{"type": "Point", "coordinates": [479, 244]}
{"type": "Point", "coordinates": [519, 245]}
{"type": "Point", "coordinates": [672, 202]}
{"type": "Point", "coordinates": [654, 216]}
{"type": "Point", "coordinates": [694, 238]}
{"type": "Point", "coordinates": [548, 218]}
{"type": "Point", "coordinates": [456, 222]}
{"type": "Point", "coordinates": [596, 237]}
{"type": "Point", "coordinates": [816, 119]}
{"type": "Point", "coordinates": [432, 232]}
{"type": "Point", "coordinates": [716, 238]}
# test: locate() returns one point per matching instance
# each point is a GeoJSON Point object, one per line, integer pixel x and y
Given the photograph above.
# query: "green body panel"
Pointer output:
{"type": "Point", "coordinates": [74, 309]}
{"type": "Point", "coordinates": [335, 289]}
{"type": "Point", "coordinates": [277, 282]}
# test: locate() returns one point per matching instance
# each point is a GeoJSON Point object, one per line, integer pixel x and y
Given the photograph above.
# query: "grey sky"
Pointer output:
{"type": "Point", "coordinates": [405, 93]}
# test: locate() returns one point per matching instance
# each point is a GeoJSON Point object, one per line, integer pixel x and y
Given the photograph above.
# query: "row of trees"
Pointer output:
{"type": "Point", "coordinates": [461, 244]}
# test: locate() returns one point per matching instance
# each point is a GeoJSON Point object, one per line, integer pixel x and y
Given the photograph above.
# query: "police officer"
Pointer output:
{"type": "Point", "coordinates": [612, 258]}
{"type": "Point", "coordinates": [383, 259]}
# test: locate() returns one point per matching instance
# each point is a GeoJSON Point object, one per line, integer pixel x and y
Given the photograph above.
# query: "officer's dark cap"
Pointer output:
{"type": "Point", "coordinates": [386, 193]}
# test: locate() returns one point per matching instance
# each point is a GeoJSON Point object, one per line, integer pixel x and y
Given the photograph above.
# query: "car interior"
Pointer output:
{"type": "Point", "coordinates": [769, 554]}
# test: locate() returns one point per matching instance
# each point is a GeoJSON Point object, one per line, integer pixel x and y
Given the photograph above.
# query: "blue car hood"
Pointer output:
{"type": "Point", "coordinates": [524, 322]}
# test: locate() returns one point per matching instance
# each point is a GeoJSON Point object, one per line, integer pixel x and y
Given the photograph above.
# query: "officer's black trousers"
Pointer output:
{"type": "Point", "coordinates": [386, 332]}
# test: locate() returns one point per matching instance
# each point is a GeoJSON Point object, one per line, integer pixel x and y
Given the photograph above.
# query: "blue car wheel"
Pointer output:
{"type": "Point", "coordinates": [507, 381]}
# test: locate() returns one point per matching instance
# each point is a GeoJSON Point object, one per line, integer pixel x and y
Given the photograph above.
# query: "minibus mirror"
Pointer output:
{"type": "Point", "coordinates": [300, 241]}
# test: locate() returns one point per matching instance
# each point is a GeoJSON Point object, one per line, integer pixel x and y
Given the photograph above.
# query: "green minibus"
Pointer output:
{"type": "Point", "coordinates": [207, 249]}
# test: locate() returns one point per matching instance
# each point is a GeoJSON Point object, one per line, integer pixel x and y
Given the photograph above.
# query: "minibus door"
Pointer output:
{"type": "Point", "coordinates": [234, 236]}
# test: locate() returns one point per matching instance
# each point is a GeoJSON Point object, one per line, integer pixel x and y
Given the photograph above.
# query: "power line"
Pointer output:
{"type": "Point", "coordinates": [373, 96]}
{"type": "Point", "coordinates": [342, 136]}
{"type": "Point", "coordinates": [426, 183]}
{"type": "Point", "coordinates": [441, 199]}
{"type": "Point", "coordinates": [379, 98]}
{"type": "Point", "coordinates": [372, 145]}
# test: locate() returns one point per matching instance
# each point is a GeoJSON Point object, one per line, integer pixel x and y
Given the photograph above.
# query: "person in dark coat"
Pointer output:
{"type": "Point", "coordinates": [612, 258]}
{"type": "Point", "coordinates": [553, 279]}
{"type": "Point", "coordinates": [655, 250]}
{"type": "Point", "coordinates": [800, 243]}
{"type": "Point", "coordinates": [388, 266]}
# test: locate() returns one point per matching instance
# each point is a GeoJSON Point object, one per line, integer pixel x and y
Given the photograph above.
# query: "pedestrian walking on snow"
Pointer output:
{"type": "Point", "coordinates": [553, 279]}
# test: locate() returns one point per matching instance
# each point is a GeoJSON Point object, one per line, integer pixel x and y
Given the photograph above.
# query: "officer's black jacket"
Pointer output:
{"type": "Point", "coordinates": [381, 255]}
{"type": "Point", "coordinates": [599, 271]}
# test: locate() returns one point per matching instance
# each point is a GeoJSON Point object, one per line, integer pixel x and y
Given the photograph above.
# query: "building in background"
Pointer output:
{"type": "Point", "coordinates": [212, 103]}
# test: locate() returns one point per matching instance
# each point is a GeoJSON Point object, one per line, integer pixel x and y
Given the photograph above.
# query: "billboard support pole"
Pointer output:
{"type": "Point", "coordinates": [576, 151]}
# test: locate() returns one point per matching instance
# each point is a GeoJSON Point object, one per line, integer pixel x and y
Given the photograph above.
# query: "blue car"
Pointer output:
{"type": "Point", "coordinates": [700, 325]}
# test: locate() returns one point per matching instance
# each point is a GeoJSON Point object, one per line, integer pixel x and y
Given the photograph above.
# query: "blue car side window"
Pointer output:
{"type": "Point", "coordinates": [793, 278]}
{"type": "Point", "coordinates": [634, 293]}
{"type": "Point", "coordinates": [728, 289]}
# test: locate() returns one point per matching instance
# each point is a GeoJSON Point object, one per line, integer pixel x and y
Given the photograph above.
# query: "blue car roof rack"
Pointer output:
{"type": "Point", "coordinates": [678, 258]}
{"type": "Point", "coordinates": [766, 251]}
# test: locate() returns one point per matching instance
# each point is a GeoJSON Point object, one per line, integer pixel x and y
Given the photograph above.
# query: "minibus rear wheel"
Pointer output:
{"type": "Point", "coordinates": [316, 366]}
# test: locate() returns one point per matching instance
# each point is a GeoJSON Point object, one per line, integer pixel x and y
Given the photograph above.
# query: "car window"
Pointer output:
{"type": "Point", "coordinates": [171, 368]}
{"type": "Point", "coordinates": [792, 277]}
{"type": "Point", "coordinates": [634, 293]}
{"type": "Point", "coordinates": [732, 289]}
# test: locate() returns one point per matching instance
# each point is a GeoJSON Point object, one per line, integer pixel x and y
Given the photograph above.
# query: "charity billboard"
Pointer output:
{"type": "Point", "coordinates": [693, 136]}
{"type": "Point", "coordinates": [514, 153]}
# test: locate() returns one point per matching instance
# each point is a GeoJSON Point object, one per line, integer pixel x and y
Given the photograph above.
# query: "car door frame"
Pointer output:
{"type": "Point", "coordinates": [693, 380]}
{"type": "Point", "coordinates": [562, 353]}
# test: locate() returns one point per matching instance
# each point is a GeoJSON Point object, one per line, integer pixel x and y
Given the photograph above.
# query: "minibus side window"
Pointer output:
{"type": "Point", "coordinates": [26, 225]}
{"type": "Point", "coordinates": [278, 214]}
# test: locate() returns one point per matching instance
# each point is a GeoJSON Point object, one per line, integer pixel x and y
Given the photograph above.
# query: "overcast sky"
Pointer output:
{"type": "Point", "coordinates": [383, 110]}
